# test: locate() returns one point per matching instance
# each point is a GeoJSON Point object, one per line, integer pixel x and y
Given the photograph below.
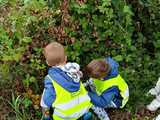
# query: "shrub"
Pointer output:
{"type": "Point", "coordinates": [126, 30]}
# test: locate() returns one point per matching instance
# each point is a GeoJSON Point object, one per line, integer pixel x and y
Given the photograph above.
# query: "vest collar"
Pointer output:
{"type": "Point", "coordinates": [63, 79]}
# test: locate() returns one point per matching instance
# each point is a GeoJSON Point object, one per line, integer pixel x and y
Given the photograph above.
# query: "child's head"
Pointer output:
{"type": "Point", "coordinates": [98, 69]}
{"type": "Point", "coordinates": [55, 54]}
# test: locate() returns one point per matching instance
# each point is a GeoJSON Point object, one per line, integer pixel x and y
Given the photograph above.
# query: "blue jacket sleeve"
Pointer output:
{"type": "Point", "coordinates": [49, 93]}
{"type": "Point", "coordinates": [105, 98]}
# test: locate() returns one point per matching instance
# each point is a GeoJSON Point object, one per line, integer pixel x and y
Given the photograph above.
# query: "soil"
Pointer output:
{"type": "Point", "coordinates": [141, 114]}
{"type": "Point", "coordinates": [5, 109]}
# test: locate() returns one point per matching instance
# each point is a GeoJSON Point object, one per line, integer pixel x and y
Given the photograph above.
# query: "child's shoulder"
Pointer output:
{"type": "Point", "coordinates": [112, 62]}
{"type": "Point", "coordinates": [114, 68]}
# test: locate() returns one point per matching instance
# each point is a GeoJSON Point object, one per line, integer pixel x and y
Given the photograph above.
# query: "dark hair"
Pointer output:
{"type": "Point", "coordinates": [97, 68]}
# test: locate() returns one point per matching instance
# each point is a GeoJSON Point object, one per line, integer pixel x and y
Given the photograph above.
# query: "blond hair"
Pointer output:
{"type": "Point", "coordinates": [98, 68]}
{"type": "Point", "coordinates": [54, 54]}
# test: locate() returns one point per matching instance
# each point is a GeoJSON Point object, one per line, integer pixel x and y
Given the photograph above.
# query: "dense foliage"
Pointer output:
{"type": "Point", "coordinates": [127, 30]}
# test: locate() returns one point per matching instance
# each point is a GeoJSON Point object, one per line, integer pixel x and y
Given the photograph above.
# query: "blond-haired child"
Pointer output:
{"type": "Point", "coordinates": [63, 90]}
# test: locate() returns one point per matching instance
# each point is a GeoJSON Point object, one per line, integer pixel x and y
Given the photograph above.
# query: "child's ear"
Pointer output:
{"type": "Point", "coordinates": [48, 63]}
{"type": "Point", "coordinates": [65, 58]}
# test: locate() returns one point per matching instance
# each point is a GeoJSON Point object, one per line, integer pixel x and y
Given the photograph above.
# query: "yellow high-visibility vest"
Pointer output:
{"type": "Point", "coordinates": [102, 85]}
{"type": "Point", "coordinates": [70, 105]}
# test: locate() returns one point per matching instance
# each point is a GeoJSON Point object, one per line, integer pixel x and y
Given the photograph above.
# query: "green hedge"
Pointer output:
{"type": "Point", "coordinates": [129, 31]}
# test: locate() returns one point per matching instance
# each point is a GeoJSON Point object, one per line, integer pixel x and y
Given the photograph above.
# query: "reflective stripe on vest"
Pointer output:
{"type": "Point", "coordinates": [71, 116]}
{"type": "Point", "coordinates": [118, 81]}
{"type": "Point", "coordinates": [70, 105]}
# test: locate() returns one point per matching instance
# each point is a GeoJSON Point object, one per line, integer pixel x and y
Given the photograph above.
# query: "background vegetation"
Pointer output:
{"type": "Point", "coordinates": [127, 30]}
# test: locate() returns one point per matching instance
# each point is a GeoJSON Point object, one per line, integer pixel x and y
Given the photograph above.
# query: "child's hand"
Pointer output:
{"type": "Point", "coordinates": [46, 117]}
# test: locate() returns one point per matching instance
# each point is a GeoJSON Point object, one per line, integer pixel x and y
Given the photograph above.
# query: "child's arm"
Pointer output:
{"type": "Point", "coordinates": [49, 93]}
{"type": "Point", "coordinates": [45, 109]}
{"type": "Point", "coordinates": [47, 98]}
{"type": "Point", "coordinates": [105, 98]}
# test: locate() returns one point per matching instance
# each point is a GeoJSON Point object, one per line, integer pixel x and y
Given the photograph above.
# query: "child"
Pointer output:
{"type": "Point", "coordinates": [63, 90]}
{"type": "Point", "coordinates": [110, 90]}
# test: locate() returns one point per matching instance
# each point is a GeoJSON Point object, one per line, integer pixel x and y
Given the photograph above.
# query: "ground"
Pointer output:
{"type": "Point", "coordinates": [8, 113]}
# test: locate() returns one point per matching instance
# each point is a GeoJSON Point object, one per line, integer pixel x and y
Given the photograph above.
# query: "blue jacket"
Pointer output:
{"type": "Point", "coordinates": [111, 94]}
{"type": "Point", "coordinates": [62, 79]}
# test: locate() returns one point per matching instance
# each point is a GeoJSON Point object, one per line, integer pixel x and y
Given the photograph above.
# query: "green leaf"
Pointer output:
{"type": "Point", "coordinates": [27, 102]}
{"type": "Point", "coordinates": [118, 58]}
{"type": "Point", "coordinates": [157, 44]}
{"type": "Point", "coordinates": [127, 10]}
{"type": "Point", "coordinates": [27, 39]}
